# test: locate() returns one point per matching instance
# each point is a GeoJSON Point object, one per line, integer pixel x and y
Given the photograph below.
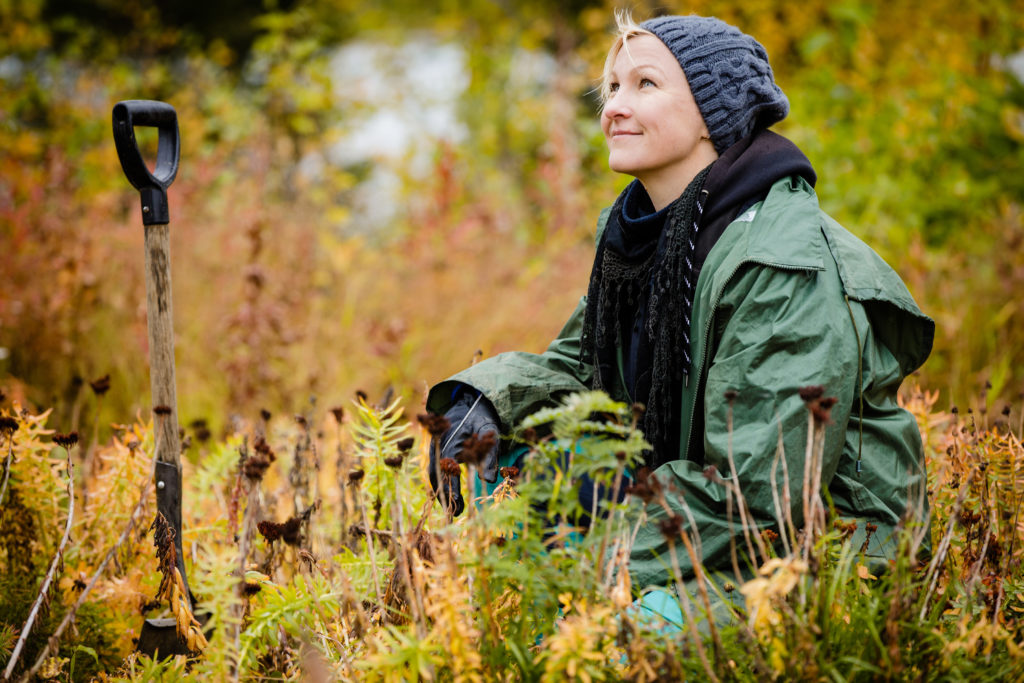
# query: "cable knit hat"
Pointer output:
{"type": "Point", "coordinates": [728, 72]}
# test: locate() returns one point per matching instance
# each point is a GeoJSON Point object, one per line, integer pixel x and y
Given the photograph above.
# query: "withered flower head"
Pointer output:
{"type": "Point", "coordinates": [100, 386]}
{"type": "Point", "coordinates": [769, 535]}
{"type": "Point", "coordinates": [263, 448]}
{"type": "Point", "coordinates": [287, 531]}
{"type": "Point", "coordinates": [437, 425]}
{"type": "Point", "coordinates": [731, 395]}
{"type": "Point", "coordinates": [255, 466]}
{"type": "Point", "coordinates": [728, 587]}
{"type": "Point", "coordinates": [162, 410]}
{"type": "Point", "coordinates": [66, 440]}
{"type": "Point", "coordinates": [641, 486]}
{"type": "Point", "coordinates": [822, 409]}
{"type": "Point", "coordinates": [1006, 410]}
{"type": "Point", "coordinates": [405, 445]}
{"type": "Point", "coordinates": [393, 461]}
{"type": "Point", "coordinates": [355, 475]}
{"type": "Point", "coordinates": [670, 526]}
{"type": "Point", "coordinates": [8, 425]}
{"type": "Point", "coordinates": [638, 411]}
{"type": "Point", "coordinates": [871, 528]}
{"type": "Point", "coordinates": [475, 448]}
{"type": "Point", "coordinates": [264, 414]}
{"type": "Point", "coordinates": [530, 435]}
{"type": "Point", "coordinates": [812, 392]}
{"type": "Point", "coordinates": [449, 467]}
{"type": "Point", "coordinates": [339, 413]}
{"type": "Point", "coordinates": [954, 410]}
{"type": "Point", "coordinates": [362, 396]}
{"type": "Point", "coordinates": [711, 473]}
{"type": "Point", "coordinates": [510, 472]}
{"type": "Point", "coordinates": [251, 588]}
{"type": "Point", "coordinates": [301, 421]}
{"type": "Point", "coordinates": [620, 456]}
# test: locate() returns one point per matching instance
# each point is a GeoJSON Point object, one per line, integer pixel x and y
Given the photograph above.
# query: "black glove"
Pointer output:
{"type": "Point", "coordinates": [470, 414]}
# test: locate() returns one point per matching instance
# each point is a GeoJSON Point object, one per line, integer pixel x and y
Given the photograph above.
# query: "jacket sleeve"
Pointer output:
{"type": "Point", "coordinates": [518, 383]}
{"type": "Point", "coordinates": [775, 331]}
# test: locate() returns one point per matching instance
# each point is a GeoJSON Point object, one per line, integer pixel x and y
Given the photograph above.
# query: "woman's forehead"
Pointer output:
{"type": "Point", "coordinates": [644, 51]}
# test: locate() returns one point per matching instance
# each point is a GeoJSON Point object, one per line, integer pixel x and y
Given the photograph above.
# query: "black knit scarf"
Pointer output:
{"type": "Point", "coordinates": [656, 272]}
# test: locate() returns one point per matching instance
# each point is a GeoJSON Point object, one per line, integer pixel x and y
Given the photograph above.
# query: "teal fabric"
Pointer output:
{"type": "Point", "coordinates": [787, 298]}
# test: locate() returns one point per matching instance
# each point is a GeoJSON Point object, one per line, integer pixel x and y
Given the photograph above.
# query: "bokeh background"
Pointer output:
{"type": "Point", "coordinates": [371, 194]}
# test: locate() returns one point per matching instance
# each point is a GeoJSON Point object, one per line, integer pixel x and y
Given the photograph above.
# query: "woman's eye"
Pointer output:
{"type": "Point", "coordinates": [613, 87]}
{"type": "Point", "coordinates": [644, 82]}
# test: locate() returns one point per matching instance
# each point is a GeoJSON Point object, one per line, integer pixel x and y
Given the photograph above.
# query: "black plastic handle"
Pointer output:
{"type": "Point", "coordinates": [153, 186]}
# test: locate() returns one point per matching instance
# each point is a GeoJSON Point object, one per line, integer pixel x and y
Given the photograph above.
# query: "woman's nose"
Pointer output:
{"type": "Point", "coordinates": [617, 106]}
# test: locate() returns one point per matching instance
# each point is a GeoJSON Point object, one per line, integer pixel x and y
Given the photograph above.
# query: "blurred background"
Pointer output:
{"type": "Point", "coordinates": [371, 194]}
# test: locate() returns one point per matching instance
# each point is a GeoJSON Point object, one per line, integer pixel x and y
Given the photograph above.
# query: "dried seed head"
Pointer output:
{"type": "Point", "coordinates": [162, 410]}
{"type": "Point", "coordinates": [732, 394]}
{"type": "Point", "coordinates": [641, 486]}
{"type": "Point", "coordinates": [812, 392]}
{"type": "Point", "coordinates": [530, 435]}
{"type": "Point", "coordinates": [339, 413]}
{"type": "Point", "coordinates": [301, 421]}
{"type": "Point", "coordinates": [670, 526]}
{"type": "Point", "coordinates": [255, 466]}
{"type": "Point", "coordinates": [475, 448]}
{"type": "Point", "coordinates": [449, 467]}
{"type": "Point", "coordinates": [8, 425]}
{"type": "Point", "coordinates": [728, 587]}
{"type": "Point", "coordinates": [769, 536]}
{"type": "Point", "coordinates": [822, 409]}
{"type": "Point", "coordinates": [66, 440]}
{"type": "Point", "coordinates": [436, 425]}
{"type": "Point", "coordinates": [510, 472]}
{"type": "Point", "coordinates": [393, 461]}
{"type": "Point", "coordinates": [362, 396]}
{"type": "Point", "coordinates": [100, 386]}
{"type": "Point", "coordinates": [251, 588]}
{"type": "Point", "coordinates": [954, 410]}
{"type": "Point", "coordinates": [638, 412]}
{"type": "Point", "coordinates": [264, 414]}
{"type": "Point", "coordinates": [1006, 411]}
{"type": "Point", "coordinates": [263, 448]}
{"type": "Point", "coordinates": [405, 445]}
{"type": "Point", "coordinates": [355, 476]}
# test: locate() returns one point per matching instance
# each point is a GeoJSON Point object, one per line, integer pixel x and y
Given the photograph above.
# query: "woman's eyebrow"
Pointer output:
{"type": "Point", "coordinates": [636, 68]}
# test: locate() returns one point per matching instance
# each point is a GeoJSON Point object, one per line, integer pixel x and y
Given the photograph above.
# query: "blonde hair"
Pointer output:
{"type": "Point", "coordinates": [625, 28]}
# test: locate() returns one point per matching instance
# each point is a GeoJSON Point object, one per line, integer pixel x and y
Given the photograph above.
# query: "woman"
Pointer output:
{"type": "Point", "coordinates": [720, 288]}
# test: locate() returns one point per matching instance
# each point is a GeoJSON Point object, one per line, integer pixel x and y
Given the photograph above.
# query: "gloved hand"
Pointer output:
{"type": "Point", "coordinates": [467, 416]}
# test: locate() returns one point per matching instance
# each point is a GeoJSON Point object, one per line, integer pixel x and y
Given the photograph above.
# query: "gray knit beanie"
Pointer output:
{"type": "Point", "coordinates": [728, 72]}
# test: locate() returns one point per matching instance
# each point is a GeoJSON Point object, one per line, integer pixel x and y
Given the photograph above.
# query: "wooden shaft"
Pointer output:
{"type": "Point", "coordinates": [160, 318]}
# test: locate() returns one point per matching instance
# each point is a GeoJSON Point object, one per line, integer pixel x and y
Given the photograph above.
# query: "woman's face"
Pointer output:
{"type": "Point", "coordinates": [651, 122]}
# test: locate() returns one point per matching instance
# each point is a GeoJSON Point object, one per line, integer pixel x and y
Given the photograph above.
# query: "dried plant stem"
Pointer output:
{"type": "Point", "coordinates": [608, 527]}
{"type": "Point", "coordinates": [684, 598]}
{"type": "Point", "coordinates": [932, 575]}
{"type": "Point", "coordinates": [775, 501]}
{"type": "Point", "coordinates": [806, 491]}
{"type": "Point", "coordinates": [370, 548]}
{"type": "Point", "coordinates": [7, 465]}
{"type": "Point", "coordinates": [741, 504]}
{"type": "Point", "coordinates": [248, 523]}
{"type": "Point", "coordinates": [70, 616]}
{"type": "Point", "coordinates": [34, 612]}
{"type": "Point", "coordinates": [702, 588]}
{"type": "Point", "coordinates": [787, 499]}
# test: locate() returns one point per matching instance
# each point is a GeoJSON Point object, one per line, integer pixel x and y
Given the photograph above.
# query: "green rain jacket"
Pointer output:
{"type": "Point", "coordinates": [787, 298]}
